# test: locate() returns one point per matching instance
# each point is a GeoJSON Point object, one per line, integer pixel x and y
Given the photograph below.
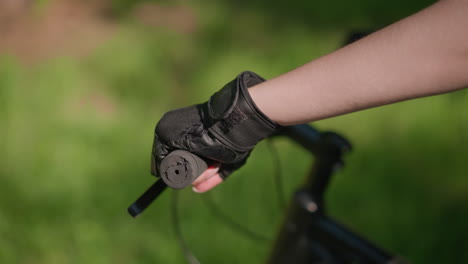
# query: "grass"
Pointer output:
{"type": "Point", "coordinates": [76, 136]}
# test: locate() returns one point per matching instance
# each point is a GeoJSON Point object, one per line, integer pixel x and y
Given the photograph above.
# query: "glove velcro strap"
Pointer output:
{"type": "Point", "coordinates": [236, 120]}
{"type": "Point", "coordinates": [223, 101]}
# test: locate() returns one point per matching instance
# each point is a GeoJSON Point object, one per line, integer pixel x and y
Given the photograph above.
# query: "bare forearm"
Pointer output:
{"type": "Point", "coordinates": [422, 55]}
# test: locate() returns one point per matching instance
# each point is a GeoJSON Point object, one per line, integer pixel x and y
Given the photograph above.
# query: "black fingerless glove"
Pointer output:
{"type": "Point", "coordinates": [224, 129]}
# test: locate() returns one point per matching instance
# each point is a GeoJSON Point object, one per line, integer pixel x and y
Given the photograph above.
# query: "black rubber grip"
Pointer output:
{"type": "Point", "coordinates": [180, 168]}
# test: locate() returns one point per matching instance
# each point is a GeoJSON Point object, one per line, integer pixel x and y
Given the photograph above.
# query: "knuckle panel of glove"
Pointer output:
{"type": "Point", "coordinates": [176, 123]}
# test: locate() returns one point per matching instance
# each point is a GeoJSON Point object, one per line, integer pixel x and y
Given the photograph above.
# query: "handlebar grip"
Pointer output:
{"type": "Point", "coordinates": [180, 168]}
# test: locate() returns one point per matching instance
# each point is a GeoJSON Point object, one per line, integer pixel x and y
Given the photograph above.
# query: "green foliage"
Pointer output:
{"type": "Point", "coordinates": [76, 136]}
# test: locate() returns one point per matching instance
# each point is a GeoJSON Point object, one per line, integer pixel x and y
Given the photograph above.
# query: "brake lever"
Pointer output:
{"type": "Point", "coordinates": [146, 198]}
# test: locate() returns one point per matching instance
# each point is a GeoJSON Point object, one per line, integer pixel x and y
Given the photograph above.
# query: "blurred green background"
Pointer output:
{"type": "Point", "coordinates": [83, 83]}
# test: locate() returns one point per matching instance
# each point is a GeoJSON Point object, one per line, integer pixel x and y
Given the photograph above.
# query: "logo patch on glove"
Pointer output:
{"type": "Point", "coordinates": [235, 118]}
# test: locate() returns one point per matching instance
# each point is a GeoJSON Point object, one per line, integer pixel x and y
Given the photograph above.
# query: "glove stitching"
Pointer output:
{"type": "Point", "coordinates": [227, 142]}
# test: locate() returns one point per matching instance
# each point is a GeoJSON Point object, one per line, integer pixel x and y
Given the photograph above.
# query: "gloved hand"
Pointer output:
{"type": "Point", "coordinates": [225, 129]}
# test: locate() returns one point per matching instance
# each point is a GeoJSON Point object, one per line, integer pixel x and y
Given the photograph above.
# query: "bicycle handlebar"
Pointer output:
{"type": "Point", "coordinates": [180, 168]}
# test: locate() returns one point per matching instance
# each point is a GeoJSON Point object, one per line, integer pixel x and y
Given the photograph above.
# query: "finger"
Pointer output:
{"type": "Point", "coordinates": [208, 184]}
{"type": "Point", "coordinates": [208, 173]}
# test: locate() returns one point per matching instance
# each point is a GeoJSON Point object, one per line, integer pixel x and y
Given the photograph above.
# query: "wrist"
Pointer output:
{"type": "Point", "coordinates": [234, 117]}
{"type": "Point", "coordinates": [265, 104]}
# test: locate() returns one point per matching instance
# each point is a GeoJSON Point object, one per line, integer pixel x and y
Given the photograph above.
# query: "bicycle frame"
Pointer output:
{"type": "Point", "coordinates": [308, 235]}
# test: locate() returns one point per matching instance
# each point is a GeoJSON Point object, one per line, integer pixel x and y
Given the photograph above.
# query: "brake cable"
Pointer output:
{"type": "Point", "coordinates": [224, 218]}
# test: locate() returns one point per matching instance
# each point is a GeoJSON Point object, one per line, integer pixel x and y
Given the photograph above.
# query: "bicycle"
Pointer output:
{"type": "Point", "coordinates": [307, 234]}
